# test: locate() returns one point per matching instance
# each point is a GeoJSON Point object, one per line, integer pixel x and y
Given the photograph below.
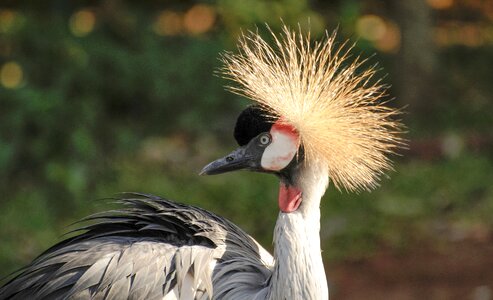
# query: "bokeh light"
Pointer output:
{"type": "Point", "coordinates": [11, 75]}
{"type": "Point", "coordinates": [82, 22]}
{"type": "Point", "coordinates": [168, 23]}
{"type": "Point", "coordinates": [385, 36]}
{"type": "Point", "coordinates": [440, 4]}
{"type": "Point", "coordinates": [371, 27]}
{"type": "Point", "coordinates": [461, 33]}
{"type": "Point", "coordinates": [391, 40]}
{"type": "Point", "coordinates": [199, 19]}
{"type": "Point", "coordinates": [7, 19]}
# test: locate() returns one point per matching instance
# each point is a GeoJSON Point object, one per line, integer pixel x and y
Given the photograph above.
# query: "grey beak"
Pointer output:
{"type": "Point", "coordinates": [236, 160]}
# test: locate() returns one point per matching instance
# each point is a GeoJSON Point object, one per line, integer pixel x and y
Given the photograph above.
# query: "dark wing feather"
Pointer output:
{"type": "Point", "coordinates": [142, 251]}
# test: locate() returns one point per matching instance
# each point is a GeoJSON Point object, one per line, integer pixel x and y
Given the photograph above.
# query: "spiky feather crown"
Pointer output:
{"type": "Point", "coordinates": [314, 87]}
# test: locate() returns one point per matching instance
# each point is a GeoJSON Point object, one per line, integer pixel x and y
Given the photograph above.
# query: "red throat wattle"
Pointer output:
{"type": "Point", "coordinates": [289, 198]}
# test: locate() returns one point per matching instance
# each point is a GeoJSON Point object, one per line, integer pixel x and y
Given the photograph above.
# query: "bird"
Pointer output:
{"type": "Point", "coordinates": [318, 116]}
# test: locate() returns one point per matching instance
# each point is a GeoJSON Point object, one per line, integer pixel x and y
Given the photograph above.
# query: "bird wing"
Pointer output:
{"type": "Point", "coordinates": [151, 249]}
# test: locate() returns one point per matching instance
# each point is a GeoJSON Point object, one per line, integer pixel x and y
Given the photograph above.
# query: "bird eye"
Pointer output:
{"type": "Point", "coordinates": [265, 139]}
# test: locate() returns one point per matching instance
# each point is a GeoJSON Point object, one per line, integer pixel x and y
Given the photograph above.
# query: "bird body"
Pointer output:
{"type": "Point", "coordinates": [316, 118]}
{"type": "Point", "coordinates": [152, 249]}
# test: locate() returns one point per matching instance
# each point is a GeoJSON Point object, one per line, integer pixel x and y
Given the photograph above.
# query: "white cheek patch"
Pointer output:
{"type": "Point", "coordinates": [285, 143]}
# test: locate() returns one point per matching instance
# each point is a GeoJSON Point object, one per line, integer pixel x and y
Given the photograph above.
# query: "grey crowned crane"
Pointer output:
{"type": "Point", "coordinates": [316, 117]}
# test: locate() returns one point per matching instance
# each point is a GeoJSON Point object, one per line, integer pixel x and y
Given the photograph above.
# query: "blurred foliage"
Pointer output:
{"type": "Point", "coordinates": [105, 97]}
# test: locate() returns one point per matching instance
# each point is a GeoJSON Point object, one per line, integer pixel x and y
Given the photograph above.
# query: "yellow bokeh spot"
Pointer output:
{"type": "Point", "coordinates": [440, 4]}
{"type": "Point", "coordinates": [168, 23]}
{"type": "Point", "coordinates": [7, 18]}
{"type": "Point", "coordinates": [385, 36]}
{"type": "Point", "coordinates": [11, 75]}
{"type": "Point", "coordinates": [371, 27]}
{"type": "Point", "coordinates": [82, 22]}
{"type": "Point", "coordinates": [199, 19]}
{"type": "Point", "coordinates": [391, 40]}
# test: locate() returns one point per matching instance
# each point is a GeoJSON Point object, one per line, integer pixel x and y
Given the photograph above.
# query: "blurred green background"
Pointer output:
{"type": "Point", "coordinates": [101, 97]}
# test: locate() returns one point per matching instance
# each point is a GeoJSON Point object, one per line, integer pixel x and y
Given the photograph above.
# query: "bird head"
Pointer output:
{"type": "Point", "coordinates": [266, 145]}
{"type": "Point", "coordinates": [314, 107]}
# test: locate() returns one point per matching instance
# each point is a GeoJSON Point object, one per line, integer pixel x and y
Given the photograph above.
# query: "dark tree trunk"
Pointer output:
{"type": "Point", "coordinates": [416, 61]}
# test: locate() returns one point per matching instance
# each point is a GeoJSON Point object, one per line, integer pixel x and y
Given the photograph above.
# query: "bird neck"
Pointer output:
{"type": "Point", "coordinates": [298, 270]}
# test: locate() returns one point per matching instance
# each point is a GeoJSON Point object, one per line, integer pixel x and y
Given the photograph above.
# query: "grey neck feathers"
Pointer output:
{"type": "Point", "coordinates": [299, 271]}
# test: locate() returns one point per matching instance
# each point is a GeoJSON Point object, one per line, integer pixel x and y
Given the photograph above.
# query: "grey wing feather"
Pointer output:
{"type": "Point", "coordinates": [147, 250]}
